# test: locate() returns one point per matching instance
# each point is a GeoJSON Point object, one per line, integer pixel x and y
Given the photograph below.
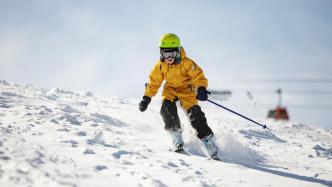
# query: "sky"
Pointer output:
{"type": "Point", "coordinates": [109, 47]}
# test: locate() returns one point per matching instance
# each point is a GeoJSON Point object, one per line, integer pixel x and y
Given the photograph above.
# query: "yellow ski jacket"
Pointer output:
{"type": "Point", "coordinates": [178, 77]}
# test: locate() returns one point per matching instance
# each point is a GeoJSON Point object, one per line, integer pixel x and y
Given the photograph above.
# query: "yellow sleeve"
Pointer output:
{"type": "Point", "coordinates": [155, 79]}
{"type": "Point", "coordinates": [196, 74]}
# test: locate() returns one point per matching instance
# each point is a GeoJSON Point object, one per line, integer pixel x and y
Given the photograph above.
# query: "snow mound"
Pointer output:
{"type": "Point", "coordinates": [4, 83]}
{"type": "Point", "coordinates": [323, 152]}
{"type": "Point", "coordinates": [61, 138]}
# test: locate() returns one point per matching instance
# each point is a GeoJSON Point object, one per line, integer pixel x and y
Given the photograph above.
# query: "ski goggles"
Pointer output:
{"type": "Point", "coordinates": [169, 53]}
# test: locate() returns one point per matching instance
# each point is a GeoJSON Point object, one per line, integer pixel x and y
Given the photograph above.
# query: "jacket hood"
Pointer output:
{"type": "Point", "coordinates": [182, 53]}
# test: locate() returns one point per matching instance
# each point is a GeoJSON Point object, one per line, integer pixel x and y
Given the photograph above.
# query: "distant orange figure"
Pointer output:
{"type": "Point", "coordinates": [279, 113]}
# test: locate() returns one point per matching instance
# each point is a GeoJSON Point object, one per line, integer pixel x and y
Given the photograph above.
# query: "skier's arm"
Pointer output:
{"type": "Point", "coordinates": [196, 74]}
{"type": "Point", "coordinates": [156, 78]}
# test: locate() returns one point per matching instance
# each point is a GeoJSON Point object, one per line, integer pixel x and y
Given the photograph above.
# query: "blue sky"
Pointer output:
{"type": "Point", "coordinates": [109, 47]}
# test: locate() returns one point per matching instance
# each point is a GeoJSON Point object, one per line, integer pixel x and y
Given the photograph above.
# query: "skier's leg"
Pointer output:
{"type": "Point", "coordinates": [197, 118]}
{"type": "Point", "coordinates": [204, 132]}
{"type": "Point", "coordinates": [172, 122]}
{"type": "Point", "coordinates": [198, 121]}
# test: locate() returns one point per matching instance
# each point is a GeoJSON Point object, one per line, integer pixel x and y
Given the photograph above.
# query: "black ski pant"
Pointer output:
{"type": "Point", "coordinates": [196, 117]}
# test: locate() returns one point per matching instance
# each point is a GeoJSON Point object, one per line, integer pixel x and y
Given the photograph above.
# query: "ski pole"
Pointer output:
{"type": "Point", "coordinates": [264, 126]}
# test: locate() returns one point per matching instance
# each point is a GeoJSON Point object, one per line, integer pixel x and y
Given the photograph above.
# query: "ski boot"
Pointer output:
{"type": "Point", "coordinates": [177, 140]}
{"type": "Point", "coordinates": [211, 146]}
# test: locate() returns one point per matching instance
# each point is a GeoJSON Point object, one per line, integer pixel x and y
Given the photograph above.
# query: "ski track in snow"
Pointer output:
{"type": "Point", "coordinates": [60, 138]}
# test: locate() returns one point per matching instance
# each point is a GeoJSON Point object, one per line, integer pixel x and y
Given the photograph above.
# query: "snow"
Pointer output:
{"type": "Point", "coordinates": [60, 138]}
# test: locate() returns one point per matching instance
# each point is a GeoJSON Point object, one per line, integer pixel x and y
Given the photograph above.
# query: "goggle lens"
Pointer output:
{"type": "Point", "coordinates": [169, 54]}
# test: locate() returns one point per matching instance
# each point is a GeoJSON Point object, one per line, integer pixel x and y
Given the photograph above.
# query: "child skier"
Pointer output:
{"type": "Point", "coordinates": [185, 82]}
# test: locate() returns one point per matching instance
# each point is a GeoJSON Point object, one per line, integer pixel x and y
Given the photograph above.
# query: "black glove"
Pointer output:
{"type": "Point", "coordinates": [143, 105]}
{"type": "Point", "coordinates": [202, 94]}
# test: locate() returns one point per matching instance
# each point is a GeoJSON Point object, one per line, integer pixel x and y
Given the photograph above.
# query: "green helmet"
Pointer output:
{"type": "Point", "coordinates": [169, 40]}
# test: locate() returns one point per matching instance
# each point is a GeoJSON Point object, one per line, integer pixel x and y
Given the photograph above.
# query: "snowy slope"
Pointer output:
{"type": "Point", "coordinates": [59, 138]}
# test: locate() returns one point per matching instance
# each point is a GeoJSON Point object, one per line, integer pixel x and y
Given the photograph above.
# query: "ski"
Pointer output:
{"type": "Point", "coordinates": [216, 159]}
{"type": "Point", "coordinates": [180, 151]}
